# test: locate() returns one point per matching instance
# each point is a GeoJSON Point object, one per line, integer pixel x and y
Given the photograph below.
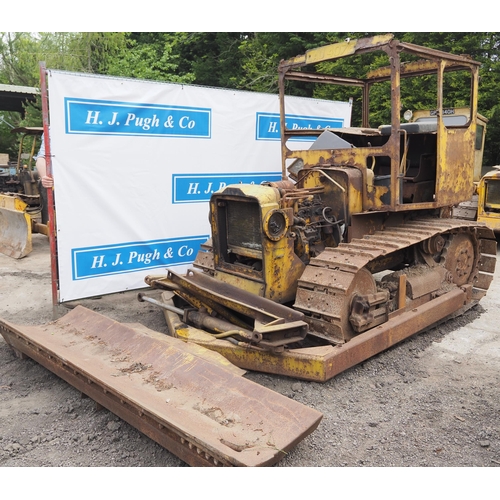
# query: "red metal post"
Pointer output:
{"type": "Point", "coordinates": [50, 192]}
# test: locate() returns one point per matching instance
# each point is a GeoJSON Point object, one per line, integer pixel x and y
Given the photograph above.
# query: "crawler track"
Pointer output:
{"type": "Point", "coordinates": [330, 280]}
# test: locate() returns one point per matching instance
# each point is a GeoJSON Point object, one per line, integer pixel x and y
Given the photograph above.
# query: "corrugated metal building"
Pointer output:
{"type": "Point", "coordinates": [13, 97]}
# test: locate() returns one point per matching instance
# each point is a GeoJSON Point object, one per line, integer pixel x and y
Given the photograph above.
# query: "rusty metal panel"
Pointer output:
{"type": "Point", "coordinates": [324, 277]}
{"type": "Point", "coordinates": [346, 260]}
{"type": "Point", "coordinates": [393, 331]}
{"type": "Point", "coordinates": [455, 169]}
{"type": "Point", "coordinates": [419, 284]}
{"type": "Point", "coordinates": [337, 50]}
{"type": "Point", "coordinates": [409, 68]}
{"type": "Point", "coordinates": [318, 302]}
{"type": "Point", "coordinates": [483, 281]}
{"type": "Point", "coordinates": [488, 246]}
{"type": "Point", "coordinates": [199, 410]}
{"type": "Point", "coordinates": [413, 68]}
{"type": "Point", "coordinates": [348, 47]}
{"type": "Point", "coordinates": [492, 220]}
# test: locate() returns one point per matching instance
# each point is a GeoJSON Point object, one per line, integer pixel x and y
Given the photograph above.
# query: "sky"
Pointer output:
{"type": "Point", "coordinates": [228, 15]}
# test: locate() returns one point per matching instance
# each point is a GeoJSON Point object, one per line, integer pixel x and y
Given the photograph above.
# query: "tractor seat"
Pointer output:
{"type": "Point", "coordinates": [412, 128]}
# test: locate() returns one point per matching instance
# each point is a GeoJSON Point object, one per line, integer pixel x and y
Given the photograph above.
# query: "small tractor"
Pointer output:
{"type": "Point", "coordinates": [354, 250]}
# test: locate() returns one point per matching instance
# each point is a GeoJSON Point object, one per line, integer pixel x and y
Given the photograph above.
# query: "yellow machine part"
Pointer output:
{"type": "Point", "coordinates": [488, 191]}
{"type": "Point", "coordinates": [15, 228]}
{"type": "Point", "coordinates": [272, 283]}
{"type": "Point", "coordinates": [320, 363]}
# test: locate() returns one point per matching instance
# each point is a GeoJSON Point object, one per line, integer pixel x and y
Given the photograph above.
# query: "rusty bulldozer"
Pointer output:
{"type": "Point", "coordinates": [353, 251]}
{"type": "Point", "coordinates": [359, 249]}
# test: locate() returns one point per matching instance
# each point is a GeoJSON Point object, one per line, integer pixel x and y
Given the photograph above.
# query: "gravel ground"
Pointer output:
{"type": "Point", "coordinates": [431, 401]}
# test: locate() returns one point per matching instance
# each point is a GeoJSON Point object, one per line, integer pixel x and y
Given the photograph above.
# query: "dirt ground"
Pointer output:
{"type": "Point", "coordinates": [431, 401]}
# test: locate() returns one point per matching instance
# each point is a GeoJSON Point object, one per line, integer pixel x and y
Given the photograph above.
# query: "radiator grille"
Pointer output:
{"type": "Point", "coordinates": [243, 225]}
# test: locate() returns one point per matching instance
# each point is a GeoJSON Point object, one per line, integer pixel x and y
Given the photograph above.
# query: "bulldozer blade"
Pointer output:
{"type": "Point", "coordinates": [202, 411]}
{"type": "Point", "coordinates": [15, 233]}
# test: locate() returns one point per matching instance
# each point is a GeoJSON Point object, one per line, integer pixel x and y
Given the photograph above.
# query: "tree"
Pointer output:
{"type": "Point", "coordinates": [151, 56]}
{"type": "Point", "coordinates": [21, 54]}
{"type": "Point", "coordinates": [261, 54]}
{"type": "Point", "coordinates": [247, 61]}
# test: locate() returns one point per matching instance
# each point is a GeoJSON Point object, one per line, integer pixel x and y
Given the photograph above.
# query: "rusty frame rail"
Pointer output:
{"type": "Point", "coordinates": [325, 362]}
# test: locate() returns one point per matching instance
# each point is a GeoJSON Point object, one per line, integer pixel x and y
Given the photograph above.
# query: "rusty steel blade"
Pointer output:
{"type": "Point", "coordinates": [200, 409]}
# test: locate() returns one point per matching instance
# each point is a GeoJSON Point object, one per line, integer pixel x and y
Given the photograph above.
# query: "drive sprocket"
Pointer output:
{"type": "Point", "coordinates": [461, 257]}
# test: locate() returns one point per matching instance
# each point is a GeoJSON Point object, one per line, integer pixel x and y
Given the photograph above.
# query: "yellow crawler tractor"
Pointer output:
{"type": "Point", "coordinates": [488, 195]}
{"type": "Point", "coordinates": [356, 248]}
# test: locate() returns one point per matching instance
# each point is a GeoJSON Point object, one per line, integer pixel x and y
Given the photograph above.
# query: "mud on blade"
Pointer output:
{"type": "Point", "coordinates": [200, 409]}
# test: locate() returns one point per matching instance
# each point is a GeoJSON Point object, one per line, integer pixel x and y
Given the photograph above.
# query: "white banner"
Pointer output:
{"type": "Point", "coordinates": [135, 162]}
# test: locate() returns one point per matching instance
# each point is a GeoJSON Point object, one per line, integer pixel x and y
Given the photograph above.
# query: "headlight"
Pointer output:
{"type": "Point", "coordinates": [275, 225]}
{"type": "Point", "coordinates": [408, 115]}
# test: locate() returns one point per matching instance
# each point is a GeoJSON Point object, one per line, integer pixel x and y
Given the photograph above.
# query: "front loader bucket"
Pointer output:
{"type": "Point", "coordinates": [15, 233]}
{"type": "Point", "coordinates": [200, 408]}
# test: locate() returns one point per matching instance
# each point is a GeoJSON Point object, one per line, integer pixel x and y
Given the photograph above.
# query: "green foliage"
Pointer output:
{"type": "Point", "coordinates": [261, 54]}
{"type": "Point", "coordinates": [248, 61]}
{"type": "Point", "coordinates": [150, 56]}
{"type": "Point", "coordinates": [259, 65]}
{"type": "Point", "coordinates": [492, 143]}
{"type": "Point", "coordinates": [7, 142]}
{"type": "Point", "coordinates": [212, 58]}
{"type": "Point", "coordinates": [21, 54]}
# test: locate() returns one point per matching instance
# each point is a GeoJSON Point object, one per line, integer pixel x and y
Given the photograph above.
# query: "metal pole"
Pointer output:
{"type": "Point", "coordinates": [281, 84]}
{"type": "Point", "coordinates": [141, 297]}
{"type": "Point", "coordinates": [50, 192]}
